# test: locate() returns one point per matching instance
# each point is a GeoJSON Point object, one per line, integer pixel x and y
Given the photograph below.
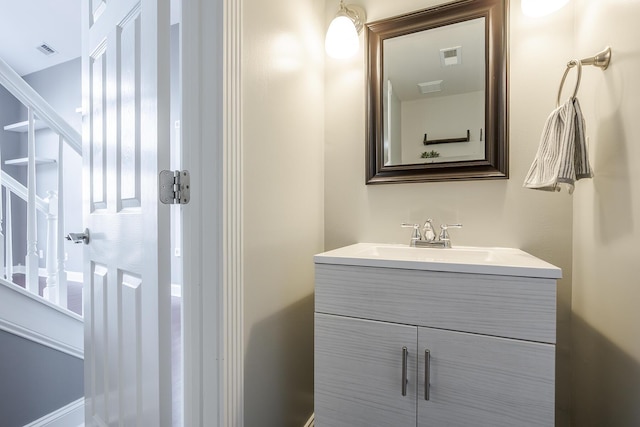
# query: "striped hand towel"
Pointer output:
{"type": "Point", "coordinates": [562, 155]}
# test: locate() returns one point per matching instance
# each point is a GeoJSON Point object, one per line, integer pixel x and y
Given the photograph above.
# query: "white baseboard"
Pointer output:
{"type": "Point", "coordinates": [67, 416]}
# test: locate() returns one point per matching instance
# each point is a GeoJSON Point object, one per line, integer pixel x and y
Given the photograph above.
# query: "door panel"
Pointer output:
{"type": "Point", "coordinates": [129, 142]}
{"type": "Point", "coordinates": [98, 129]}
{"type": "Point", "coordinates": [99, 345]}
{"type": "Point", "coordinates": [131, 297]}
{"type": "Point", "coordinates": [127, 306]}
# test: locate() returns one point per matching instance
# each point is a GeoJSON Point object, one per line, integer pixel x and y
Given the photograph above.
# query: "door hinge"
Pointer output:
{"type": "Point", "coordinates": [174, 187]}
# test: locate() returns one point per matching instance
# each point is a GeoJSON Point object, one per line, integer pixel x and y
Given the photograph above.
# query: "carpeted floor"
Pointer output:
{"type": "Point", "coordinates": [74, 291]}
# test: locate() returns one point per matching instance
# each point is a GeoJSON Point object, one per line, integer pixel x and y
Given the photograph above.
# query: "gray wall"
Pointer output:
{"type": "Point", "coordinates": [35, 380]}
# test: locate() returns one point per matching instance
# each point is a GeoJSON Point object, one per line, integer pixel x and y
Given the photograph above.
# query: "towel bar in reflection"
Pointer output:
{"type": "Point", "coordinates": [601, 60]}
{"type": "Point", "coordinates": [425, 141]}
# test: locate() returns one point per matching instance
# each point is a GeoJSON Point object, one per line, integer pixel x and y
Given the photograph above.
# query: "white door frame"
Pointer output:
{"type": "Point", "coordinates": [212, 263]}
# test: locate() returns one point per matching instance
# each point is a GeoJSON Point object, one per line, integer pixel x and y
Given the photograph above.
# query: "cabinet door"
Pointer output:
{"type": "Point", "coordinates": [485, 381]}
{"type": "Point", "coordinates": [359, 372]}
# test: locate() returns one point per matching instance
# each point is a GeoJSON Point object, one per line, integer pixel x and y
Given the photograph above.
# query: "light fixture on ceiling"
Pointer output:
{"type": "Point", "coordinates": [342, 36]}
{"type": "Point", "coordinates": [537, 8]}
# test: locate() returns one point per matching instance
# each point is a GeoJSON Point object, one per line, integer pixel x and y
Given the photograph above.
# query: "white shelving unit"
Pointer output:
{"type": "Point", "coordinates": [22, 127]}
{"type": "Point", "coordinates": [23, 161]}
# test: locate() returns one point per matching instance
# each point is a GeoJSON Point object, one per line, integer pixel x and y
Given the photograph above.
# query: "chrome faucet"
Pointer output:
{"type": "Point", "coordinates": [427, 239]}
{"type": "Point", "coordinates": [428, 234]}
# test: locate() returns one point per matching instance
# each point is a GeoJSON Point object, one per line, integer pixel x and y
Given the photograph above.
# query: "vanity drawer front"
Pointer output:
{"type": "Point", "coordinates": [505, 306]}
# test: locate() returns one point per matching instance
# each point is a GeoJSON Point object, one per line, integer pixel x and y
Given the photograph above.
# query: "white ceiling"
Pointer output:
{"type": "Point", "coordinates": [415, 58]}
{"type": "Point", "coordinates": [26, 24]}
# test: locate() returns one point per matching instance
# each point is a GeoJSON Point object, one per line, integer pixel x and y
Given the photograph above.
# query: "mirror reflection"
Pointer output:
{"type": "Point", "coordinates": [434, 95]}
{"type": "Point", "coordinates": [437, 94]}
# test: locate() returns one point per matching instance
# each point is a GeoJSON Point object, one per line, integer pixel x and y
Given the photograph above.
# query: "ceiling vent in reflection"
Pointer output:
{"type": "Point", "coordinates": [451, 56]}
{"type": "Point", "coordinates": [430, 87]}
{"type": "Point", "coordinates": [46, 49]}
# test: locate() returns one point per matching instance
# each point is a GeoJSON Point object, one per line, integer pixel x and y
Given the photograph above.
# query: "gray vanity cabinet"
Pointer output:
{"type": "Point", "coordinates": [491, 343]}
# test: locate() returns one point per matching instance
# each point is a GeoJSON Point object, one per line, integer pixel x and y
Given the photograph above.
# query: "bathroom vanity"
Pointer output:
{"type": "Point", "coordinates": [429, 337]}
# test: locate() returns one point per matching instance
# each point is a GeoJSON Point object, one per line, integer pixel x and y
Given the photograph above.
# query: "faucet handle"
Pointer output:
{"type": "Point", "coordinates": [427, 231]}
{"type": "Point", "coordinates": [444, 234]}
{"type": "Point", "coordinates": [415, 235]}
{"type": "Point", "coordinates": [446, 226]}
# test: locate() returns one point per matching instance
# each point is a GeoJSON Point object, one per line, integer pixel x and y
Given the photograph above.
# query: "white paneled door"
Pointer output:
{"type": "Point", "coordinates": [125, 65]}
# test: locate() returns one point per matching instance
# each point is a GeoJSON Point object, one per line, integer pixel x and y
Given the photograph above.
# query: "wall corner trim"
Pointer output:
{"type": "Point", "coordinates": [233, 278]}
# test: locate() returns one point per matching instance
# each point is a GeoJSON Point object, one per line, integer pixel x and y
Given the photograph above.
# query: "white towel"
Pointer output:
{"type": "Point", "coordinates": [562, 155]}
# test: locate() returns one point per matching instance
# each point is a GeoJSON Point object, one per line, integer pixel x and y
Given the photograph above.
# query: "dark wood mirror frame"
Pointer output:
{"type": "Point", "coordinates": [495, 163]}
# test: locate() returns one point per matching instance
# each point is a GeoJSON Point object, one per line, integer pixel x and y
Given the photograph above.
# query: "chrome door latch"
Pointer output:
{"type": "Point", "coordinates": [79, 237]}
{"type": "Point", "coordinates": [174, 187]}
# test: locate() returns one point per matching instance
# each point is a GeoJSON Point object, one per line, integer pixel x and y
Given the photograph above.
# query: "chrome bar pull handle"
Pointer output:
{"type": "Point", "coordinates": [405, 358]}
{"type": "Point", "coordinates": [427, 374]}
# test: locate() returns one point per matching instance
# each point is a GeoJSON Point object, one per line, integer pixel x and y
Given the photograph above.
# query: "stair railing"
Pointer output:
{"type": "Point", "coordinates": [52, 207]}
{"type": "Point", "coordinates": [55, 290]}
{"type": "Point", "coordinates": [45, 112]}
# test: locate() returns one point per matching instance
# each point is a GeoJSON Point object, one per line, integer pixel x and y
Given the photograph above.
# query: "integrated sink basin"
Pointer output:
{"type": "Point", "coordinates": [400, 252]}
{"type": "Point", "coordinates": [461, 259]}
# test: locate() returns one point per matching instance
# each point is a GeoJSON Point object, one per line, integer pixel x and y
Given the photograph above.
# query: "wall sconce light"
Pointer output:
{"type": "Point", "coordinates": [537, 8]}
{"type": "Point", "coordinates": [342, 40]}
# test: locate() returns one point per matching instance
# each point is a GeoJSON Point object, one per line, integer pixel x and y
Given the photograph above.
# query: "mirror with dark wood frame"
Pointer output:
{"type": "Point", "coordinates": [437, 94]}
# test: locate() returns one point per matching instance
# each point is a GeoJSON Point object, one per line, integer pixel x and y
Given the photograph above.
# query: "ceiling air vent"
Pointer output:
{"type": "Point", "coordinates": [46, 49]}
{"type": "Point", "coordinates": [451, 56]}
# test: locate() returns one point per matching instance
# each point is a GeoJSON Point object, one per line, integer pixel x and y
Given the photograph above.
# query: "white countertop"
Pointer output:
{"type": "Point", "coordinates": [459, 259]}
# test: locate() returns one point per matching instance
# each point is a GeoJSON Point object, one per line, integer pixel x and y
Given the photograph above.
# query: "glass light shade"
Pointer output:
{"type": "Point", "coordinates": [537, 8]}
{"type": "Point", "coordinates": [342, 38]}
